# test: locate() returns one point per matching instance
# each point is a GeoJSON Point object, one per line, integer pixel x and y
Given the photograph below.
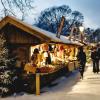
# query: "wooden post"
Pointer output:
{"type": "Point", "coordinates": [74, 57]}
{"type": "Point", "coordinates": [37, 83]}
{"type": "Point", "coordinates": [60, 27]}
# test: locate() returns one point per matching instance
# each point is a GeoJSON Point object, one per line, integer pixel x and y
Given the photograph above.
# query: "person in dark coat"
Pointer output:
{"type": "Point", "coordinates": [95, 60]}
{"type": "Point", "coordinates": [81, 56]}
{"type": "Point", "coordinates": [98, 50]}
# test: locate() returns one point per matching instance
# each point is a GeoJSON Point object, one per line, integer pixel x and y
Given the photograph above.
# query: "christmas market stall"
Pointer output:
{"type": "Point", "coordinates": [55, 58]}
{"type": "Point", "coordinates": [40, 56]}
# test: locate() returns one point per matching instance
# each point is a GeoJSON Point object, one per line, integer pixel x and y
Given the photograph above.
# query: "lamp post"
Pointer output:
{"type": "Point", "coordinates": [81, 28]}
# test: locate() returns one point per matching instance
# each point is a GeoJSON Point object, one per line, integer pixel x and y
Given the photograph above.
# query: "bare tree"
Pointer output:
{"type": "Point", "coordinates": [50, 18]}
{"type": "Point", "coordinates": [16, 7]}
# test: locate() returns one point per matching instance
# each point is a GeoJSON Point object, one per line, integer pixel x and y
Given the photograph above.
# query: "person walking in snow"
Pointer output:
{"type": "Point", "coordinates": [81, 56]}
{"type": "Point", "coordinates": [98, 50]}
{"type": "Point", "coordinates": [95, 60]}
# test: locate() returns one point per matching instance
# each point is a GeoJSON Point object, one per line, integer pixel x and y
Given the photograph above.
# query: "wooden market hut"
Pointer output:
{"type": "Point", "coordinates": [20, 37]}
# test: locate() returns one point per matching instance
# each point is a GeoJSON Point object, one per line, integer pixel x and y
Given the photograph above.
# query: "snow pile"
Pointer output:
{"type": "Point", "coordinates": [57, 92]}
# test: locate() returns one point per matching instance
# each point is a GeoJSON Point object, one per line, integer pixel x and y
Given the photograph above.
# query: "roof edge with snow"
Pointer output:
{"type": "Point", "coordinates": [33, 30]}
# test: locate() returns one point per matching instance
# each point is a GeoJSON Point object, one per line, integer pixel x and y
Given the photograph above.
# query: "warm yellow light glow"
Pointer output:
{"type": "Point", "coordinates": [81, 28]}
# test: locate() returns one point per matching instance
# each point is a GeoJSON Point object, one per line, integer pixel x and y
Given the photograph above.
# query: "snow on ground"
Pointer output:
{"type": "Point", "coordinates": [68, 88]}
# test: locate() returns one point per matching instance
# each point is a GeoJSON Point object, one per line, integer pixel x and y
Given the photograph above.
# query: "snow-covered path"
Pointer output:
{"type": "Point", "coordinates": [69, 88]}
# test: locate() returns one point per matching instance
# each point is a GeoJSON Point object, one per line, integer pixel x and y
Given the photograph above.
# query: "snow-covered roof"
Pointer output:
{"type": "Point", "coordinates": [53, 37]}
{"type": "Point", "coordinates": [47, 36]}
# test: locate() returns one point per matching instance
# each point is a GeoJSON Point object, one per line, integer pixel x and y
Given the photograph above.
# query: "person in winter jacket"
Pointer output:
{"type": "Point", "coordinates": [81, 56]}
{"type": "Point", "coordinates": [95, 60]}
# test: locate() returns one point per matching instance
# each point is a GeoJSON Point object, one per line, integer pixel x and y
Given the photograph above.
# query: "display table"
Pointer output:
{"type": "Point", "coordinates": [46, 78]}
{"type": "Point", "coordinates": [48, 75]}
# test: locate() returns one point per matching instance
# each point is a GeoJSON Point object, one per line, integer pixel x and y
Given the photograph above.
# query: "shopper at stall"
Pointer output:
{"type": "Point", "coordinates": [95, 59]}
{"type": "Point", "coordinates": [81, 56]}
{"type": "Point", "coordinates": [33, 64]}
{"type": "Point", "coordinates": [34, 56]}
